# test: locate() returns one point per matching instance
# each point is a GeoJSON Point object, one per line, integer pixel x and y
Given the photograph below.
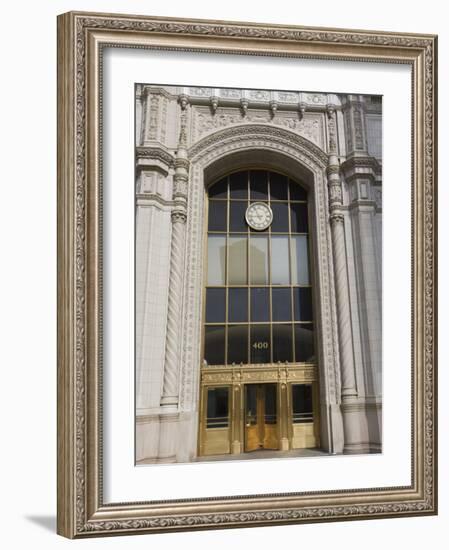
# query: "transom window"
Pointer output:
{"type": "Point", "coordinates": [258, 284]}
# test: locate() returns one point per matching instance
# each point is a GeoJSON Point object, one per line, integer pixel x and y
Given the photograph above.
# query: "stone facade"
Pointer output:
{"type": "Point", "coordinates": [187, 138]}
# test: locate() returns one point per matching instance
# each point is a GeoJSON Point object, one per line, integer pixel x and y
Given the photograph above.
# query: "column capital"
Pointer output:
{"type": "Point", "coordinates": [178, 215]}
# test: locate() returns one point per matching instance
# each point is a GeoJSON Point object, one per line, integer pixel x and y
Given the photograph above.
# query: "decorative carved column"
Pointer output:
{"type": "Point", "coordinates": [170, 388]}
{"type": "Point", "coordinates": [170, 391]}
{"type": "Point", "coordinates": [337, 220]}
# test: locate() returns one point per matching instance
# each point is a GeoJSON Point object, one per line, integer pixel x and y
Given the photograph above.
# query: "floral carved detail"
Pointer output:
{"type": "Point", "coordinates": [358, 131]}
{"type": "Point", "coordinates": [248, 31]}
{"type": "Point", "coordinates": [243, 131]}
{"type": "Point", "coordinates": [288, 97]}
{"type": "Point", "coordinates": [308, 126]}
{"type": "Point", "coordinates": [154, 116]}
{"type": "Point", "coordinates": [259, 517]}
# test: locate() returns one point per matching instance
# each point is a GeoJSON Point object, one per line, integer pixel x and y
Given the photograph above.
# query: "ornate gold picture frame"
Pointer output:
{"type": "Point", "coordinates": [82, 509]}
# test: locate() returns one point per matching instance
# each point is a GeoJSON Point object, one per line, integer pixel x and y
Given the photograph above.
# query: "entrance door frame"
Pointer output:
{"type": "Point", "coordinates": [269, 148]}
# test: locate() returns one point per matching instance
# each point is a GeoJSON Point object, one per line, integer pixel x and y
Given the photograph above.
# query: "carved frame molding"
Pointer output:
{"type": "Point", "coordinates": [81, 37]}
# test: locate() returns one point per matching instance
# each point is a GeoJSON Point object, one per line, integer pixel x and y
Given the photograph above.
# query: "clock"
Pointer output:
{"type": "Point", "coordinates": [259, 216]}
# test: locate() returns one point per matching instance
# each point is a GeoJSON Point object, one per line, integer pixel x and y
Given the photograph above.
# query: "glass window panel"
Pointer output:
{"type": "Point", "coordinates": [302, 302]}
{"type": "Point", "coordinates": [217, 215]}
{"type": "Point", "coordinates": [270, 404]}
{"type": "Point", "coordinates": [215, 305]}
{"type": "Point", "coordinates": [260, 344]}
{"type": "Point", "coordinates": [297, 192]}
{"type": "Point", "coordinates": [282, 343]}
{"type": "Point", "coordinates": [238, 185]}
{"type": "Point", "coordinates": [258, 260]}
{"type": "Point", "coordinates": [217, 407]}
{"type": "Point", "coordinates": [219, 190]}
{"type": "Point", "coordinates": [237, 344]}
{"type": "Point", "coordinates": [281, 304]}
{"type": "Point", "coordinates": [279, 260]}
{"type": "Point", "coordinates": [280, 217]}
{"type": "Point", "coordinates": [300, 260]}
{"type": "Point", "coordinates": [258, 183]}
{"type": "Point", "coordinates": [304, 348]}
{"type": "Point", "coordinates": [214, 346]}
{"type": "Point", "coordinates": [216, 258]}
{"type": "Point", "coordinates": [251, 404]}
{"type": "Point", "coordinates": [278, 187]}
{"type": "Point", "coordinates": [238, 305]}
{"type": "Point", "coordinates": [237, 220]}
{"type": "Point", "coordinates": [302, 403]}
{"type": "Point", "coordinates": [260, 304]}
{"type": "Point", "coordinates": [237, 261]}
{"type": "Point", "coordinates": [298, 213]}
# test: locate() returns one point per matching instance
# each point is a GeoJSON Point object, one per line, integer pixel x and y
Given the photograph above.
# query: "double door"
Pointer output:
{"type": "Point", "coordinates": [261, 417]}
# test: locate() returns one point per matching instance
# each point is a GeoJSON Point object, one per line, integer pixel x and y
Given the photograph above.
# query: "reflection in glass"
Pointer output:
{"type": "Point", "coordinates": [270, 404]}
{"type": "Point", "coordinates": [216, 255]}
{"type": "Point", "coordinates": [300, 260]}
{"type": "Point", "coordinates": [214, 346]}
{"type": "Point", "coordinates": [238, 185]}
{"type": "Point", "coordinates": [275, 259]}
{"type": "Point", "coordinates": [237, 261]}
{"type": "Point", "coordinates": [281, 304]}
{"type": "Point", "coordinates": [278, 187]}
{"type": "Point", "coordinates": [260, 344]}
{"type": "Point", "coordinates": [215, 305]}
{"type": "Point", "coordinates": [302, 302]}
{"type": "Point", "coordinates": [258, 260]}
{"type": "Point", "coordinates": [237, 222]}
{"type": "Point", "coordinates": [304, 349]}
{"type": "Point", "coordinates": [260, 305]}
{"type": "Point", "coordinates": [258, 184]}
{"type": "Point", "coordinates": [217, 215]}
{"type": "Point", "coordinates": [250, 404]}
{"type": "Point", "coordinates": [279, 260]}
{"type": "Point", "coordinates": [280, 217]}
{"type": "Point", "coordinates": [238, 305]}
{"type": "Point", "coordinates": [282, 343]}
{"type": "Point", "coordinates": [297, 193]}
{"type": "Point", "coordinates": [302, 404]}
{"type": "Point", "coordinates": [237, 344]}
{"type": "Point", "coordinates": [219, 190]}
{"type": "Point", "coordinates": [300, 222]}
{"type": "Point", "coordinates": [217, 407]}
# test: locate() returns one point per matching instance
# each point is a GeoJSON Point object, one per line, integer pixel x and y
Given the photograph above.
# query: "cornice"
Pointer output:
{"type": "Point", "coordinates": [156, 153]}
{"type": "Point", "coordinates": [352, 163]}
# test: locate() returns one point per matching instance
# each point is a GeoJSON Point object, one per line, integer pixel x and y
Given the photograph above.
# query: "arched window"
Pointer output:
{"type": "Point", "coordinates": [258, 303]}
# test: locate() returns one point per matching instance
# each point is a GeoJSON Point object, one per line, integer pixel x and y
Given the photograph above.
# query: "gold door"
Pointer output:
{"type": "Point", "coordinates": [261, 426]}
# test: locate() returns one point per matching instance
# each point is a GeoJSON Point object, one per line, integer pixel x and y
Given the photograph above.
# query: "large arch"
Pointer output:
{"type": "Point", "coordinates": [272, 148]}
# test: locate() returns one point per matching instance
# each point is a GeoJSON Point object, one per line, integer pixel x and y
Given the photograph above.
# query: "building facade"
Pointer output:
{"type": "Point", "coordinates": [258, 314]}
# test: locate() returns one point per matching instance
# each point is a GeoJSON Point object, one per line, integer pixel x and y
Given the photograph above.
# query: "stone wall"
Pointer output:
{"type": "Point", "coordinates": [185, 138]}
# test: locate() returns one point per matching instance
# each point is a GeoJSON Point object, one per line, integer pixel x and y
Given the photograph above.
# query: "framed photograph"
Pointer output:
{"type": "Point", "coordinates": [246, 274]}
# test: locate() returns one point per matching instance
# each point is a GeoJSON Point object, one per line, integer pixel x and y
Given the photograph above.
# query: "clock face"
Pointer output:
{"type": "Point", "coordinates": [259, 216]}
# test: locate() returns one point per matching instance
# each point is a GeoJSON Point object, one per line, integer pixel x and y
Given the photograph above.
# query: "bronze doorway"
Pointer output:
{"type": "Point", "coordinates": [261, 417]}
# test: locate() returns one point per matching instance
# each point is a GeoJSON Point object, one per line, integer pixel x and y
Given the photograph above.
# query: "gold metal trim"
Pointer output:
{"type": "Point", "coordinates": [81, 37]}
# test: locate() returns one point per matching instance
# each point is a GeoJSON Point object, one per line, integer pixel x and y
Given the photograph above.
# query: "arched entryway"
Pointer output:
{"type": "Point", "coordinates": [264, 149]}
